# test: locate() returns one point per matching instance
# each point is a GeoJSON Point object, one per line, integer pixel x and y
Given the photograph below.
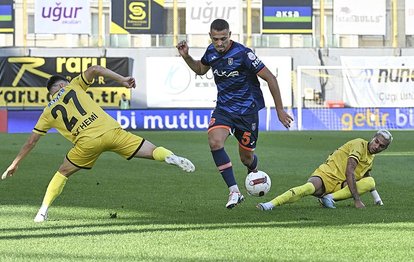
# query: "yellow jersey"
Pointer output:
{"type": "Point", "coordinates": [74, 114]}
{"type": "Point", "coordinates": [336, 163]}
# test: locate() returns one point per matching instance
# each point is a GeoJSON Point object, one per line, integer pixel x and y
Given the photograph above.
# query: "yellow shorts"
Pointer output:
{"type": "Point", "coordinates": [85, 154]}
{"type": "Point", "coordinates": [330, 181]}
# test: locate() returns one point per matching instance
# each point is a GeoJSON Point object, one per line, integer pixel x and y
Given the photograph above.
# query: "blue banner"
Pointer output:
{"type": "Point", "coordinates": [198, 119]}
{"type": "Point", "coordinates": [357, 118]}
{"type": "Point", "coordinates": [165, 119]}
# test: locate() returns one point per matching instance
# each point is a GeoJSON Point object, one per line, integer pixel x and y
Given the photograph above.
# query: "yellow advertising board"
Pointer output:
{"type": "Point", "coordinates": [39, 97]}
{"type": "Point", "coordinates": [23, 79]}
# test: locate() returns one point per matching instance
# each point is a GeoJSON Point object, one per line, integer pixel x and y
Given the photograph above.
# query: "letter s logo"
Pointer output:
{"type": "Point", "coordinates": [137, 11]}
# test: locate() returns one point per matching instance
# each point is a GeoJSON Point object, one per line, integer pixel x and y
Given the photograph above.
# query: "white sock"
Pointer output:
{"type": "Point", "coordinates": [268, 205]}
{"type": "Point", "coordinates": [43, 209]}
{"type": "Point", "coordinates": [234, 188]}
{"type": "Point", "coordinates": [329, 196]}
{"type": "Point", "coordinates": [376, 196]}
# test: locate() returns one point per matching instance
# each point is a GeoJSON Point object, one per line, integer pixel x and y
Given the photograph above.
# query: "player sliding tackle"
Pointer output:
{"type": "Point", "coordinates": [91, 130]}
{"type": "Point", "coordinates": [345, 174]}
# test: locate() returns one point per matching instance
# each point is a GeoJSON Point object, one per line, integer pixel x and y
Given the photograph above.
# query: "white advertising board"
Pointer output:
{"type": "Point", "coordinates": [281, 67]}
{"type": "Point", "coordinates": [62, 17]}
{"type": "Point", "coordinates": [356, 17]}
{"type": "Point", "coordinates": [200, 14]}
{"type": "Point", "coordinates": [409, 17]}
{"type": "Point", "coordinates": [171, 83]}
{"type": "Point", "coordinates": [380, 81]}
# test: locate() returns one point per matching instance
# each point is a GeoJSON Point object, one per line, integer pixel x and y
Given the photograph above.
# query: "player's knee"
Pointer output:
{"type": "Point", "coordinates": [67, 169]}
{"type": "Point", "coordinates": [365, 184]}
{"type": "Point", "coordinates": [370, 182]}
{"type": "Point", "coordinates": [215, 144]}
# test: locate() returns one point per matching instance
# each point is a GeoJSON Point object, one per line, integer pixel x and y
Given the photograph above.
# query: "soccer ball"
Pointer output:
{"type": "Point", "coordinates": [257, 183]}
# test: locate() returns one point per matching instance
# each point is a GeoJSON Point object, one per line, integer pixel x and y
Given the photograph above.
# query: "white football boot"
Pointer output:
{"type": "Point", "coordinates": [235, 198]}
{"type": "Point", "coordinates": [327, 201]}
{"type": "Point", "coordinates": [40, 217]}
{"type": "Point", "coordinates": [181, 162]}
{"type": "Point", "coordinates": [265, 206]}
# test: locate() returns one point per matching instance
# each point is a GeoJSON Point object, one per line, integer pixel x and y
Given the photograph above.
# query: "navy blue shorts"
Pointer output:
{"type": "Point", "coordinates": [245, 128]}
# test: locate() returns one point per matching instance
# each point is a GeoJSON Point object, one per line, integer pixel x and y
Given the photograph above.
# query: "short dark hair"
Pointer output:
{"type": "Point", "coordinates": [53, 80]}
{"type": "Point", "coordinates": [219, 25]}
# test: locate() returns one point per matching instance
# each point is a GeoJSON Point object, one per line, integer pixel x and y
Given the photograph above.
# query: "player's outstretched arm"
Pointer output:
{"type": "Point", "coordinates": [24, 151]}
{"type": "Point", "coordinates": [271, 80]}
{"type": "Point", "coordinates": [195, 65]}
{"type": "Point", "coordinates": [96, 70]}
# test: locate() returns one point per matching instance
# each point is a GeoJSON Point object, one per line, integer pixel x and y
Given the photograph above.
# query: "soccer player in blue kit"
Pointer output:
{"type": "Point", "coordinates": [239, 99]}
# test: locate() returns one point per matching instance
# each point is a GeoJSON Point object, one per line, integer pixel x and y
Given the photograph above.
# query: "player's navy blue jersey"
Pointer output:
{"type": "Point", "coordinates": [235, 76]}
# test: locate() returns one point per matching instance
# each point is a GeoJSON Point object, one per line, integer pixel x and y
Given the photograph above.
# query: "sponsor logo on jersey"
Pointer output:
{"type": "Point", "coordinates": [54, 100]}
{"type": "Point", "coordinates": [224, 73]}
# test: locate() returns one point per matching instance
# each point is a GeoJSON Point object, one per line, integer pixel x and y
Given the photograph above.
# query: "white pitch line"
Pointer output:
{"type": "Point", "coordinates": [397, 154]}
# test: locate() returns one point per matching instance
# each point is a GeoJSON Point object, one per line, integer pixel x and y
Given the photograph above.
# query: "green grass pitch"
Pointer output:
{"type": "Point", "coordinates": [142, 210]}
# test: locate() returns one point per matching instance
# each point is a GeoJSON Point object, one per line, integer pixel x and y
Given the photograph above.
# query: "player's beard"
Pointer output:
{"type": "Point", "coordinates": [221, 49]}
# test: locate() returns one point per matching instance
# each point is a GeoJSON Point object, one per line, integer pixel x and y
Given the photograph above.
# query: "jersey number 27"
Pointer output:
{"type": "Point", "coordinates": [69, 123]}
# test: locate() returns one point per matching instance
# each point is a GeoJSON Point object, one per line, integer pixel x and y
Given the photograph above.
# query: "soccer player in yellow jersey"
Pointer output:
{"type": "Point", "coordinates": [345, 174]}
{"type": "Point", "coordinates": [77, 117]}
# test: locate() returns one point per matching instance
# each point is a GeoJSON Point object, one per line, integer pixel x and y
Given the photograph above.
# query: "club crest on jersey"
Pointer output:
{"type": "Point", "coordinates": [230, 60]}
{"type": "Point", "coordinates": [253, 126]}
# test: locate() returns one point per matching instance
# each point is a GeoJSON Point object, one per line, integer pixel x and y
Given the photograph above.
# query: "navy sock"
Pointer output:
{"type": "Point", "coordinates": [253, 165]}
{"type": "Point", "coordinates": [224, 165]}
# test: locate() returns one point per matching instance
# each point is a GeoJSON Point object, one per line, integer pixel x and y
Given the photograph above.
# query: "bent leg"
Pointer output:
{"type": "Point", "coordinates": [249, 159]}
{"type": "Point", "coordinates": [363, 185]}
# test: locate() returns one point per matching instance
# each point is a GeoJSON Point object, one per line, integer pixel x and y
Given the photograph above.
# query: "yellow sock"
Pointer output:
{"type": "Point", "coordinates": [364, 185]}
{"type": "Point", "coordinates": [54, 189]}
{"type": "Point", "coordinates": [160, 153]}
{"type": "Point", "coordinates": [294, 194]}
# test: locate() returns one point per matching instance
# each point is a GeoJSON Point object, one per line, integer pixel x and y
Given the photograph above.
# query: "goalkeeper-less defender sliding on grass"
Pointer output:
{"type": "Point", "coordinates": [77, 117]}
{"type": "Point", "coordinates": [345, 174]}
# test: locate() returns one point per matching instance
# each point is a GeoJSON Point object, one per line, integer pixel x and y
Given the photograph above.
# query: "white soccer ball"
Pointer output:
{"type": "Point", "coordinates": [257, 183]}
